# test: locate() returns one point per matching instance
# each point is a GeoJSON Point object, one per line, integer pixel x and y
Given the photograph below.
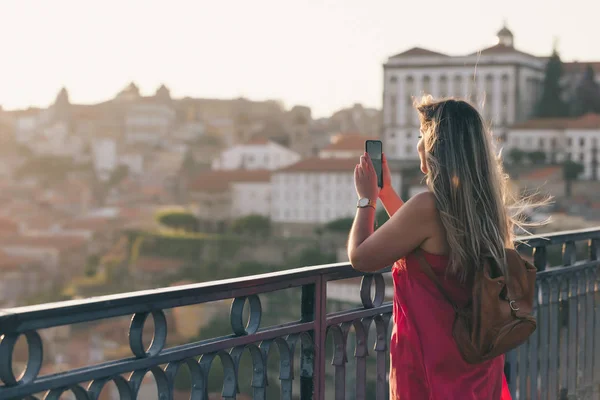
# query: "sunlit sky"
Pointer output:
{"type": "Point", "coordinates": [324, 54]}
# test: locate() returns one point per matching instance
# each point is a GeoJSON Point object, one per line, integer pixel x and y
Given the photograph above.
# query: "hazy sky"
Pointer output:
{"type": "Point", "coordinates": [324, 54]}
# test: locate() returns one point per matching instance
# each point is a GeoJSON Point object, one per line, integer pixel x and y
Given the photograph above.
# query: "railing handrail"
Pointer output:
{"type": "Point", "coordinates": [21, 319]}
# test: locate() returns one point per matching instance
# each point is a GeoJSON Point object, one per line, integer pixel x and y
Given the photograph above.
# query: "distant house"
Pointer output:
{"type": "Point", "coordinates": [257, 154]}
{"type": "Point", "coordinates": [223, 195]}
{"type": "Point", "coordinates": [560, 139]}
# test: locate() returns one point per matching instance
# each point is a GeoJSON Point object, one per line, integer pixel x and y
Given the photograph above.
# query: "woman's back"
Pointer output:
{"type": "Point", "coordinates": [425, 361]}
{"type": "Point", "coordinates": [460, 222]}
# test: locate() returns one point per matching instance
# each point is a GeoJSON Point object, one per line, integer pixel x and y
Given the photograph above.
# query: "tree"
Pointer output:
{"type": "Point", "coordinates": [119, 173]}
{"type": "Point", "coordinates": [91, 265]}
{"type": "Point", "coordinates": [381, 217]}
{"type": "Point", "coordinates": [551, 104]}
{"type": "Point", "coordinates": [571, 172]}
{"type": "Point", "coordinates": [340, 225]}
{"type": "Point", "coordinates": [586, 97]}
{"type": "Point", "coordinates": [252, 225]}
{"type": "Point", "coordinates": [189, 165]}
{"type": "Point", "coordinates": [516, 156]}
{"type": "Point", "coordinates": [178, 219]}
{"type": "Point", "coordinates": [537, 157]}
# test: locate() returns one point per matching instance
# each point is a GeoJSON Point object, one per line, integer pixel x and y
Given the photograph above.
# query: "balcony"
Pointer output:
{"type": "Point", "coordinates": [561, 360]}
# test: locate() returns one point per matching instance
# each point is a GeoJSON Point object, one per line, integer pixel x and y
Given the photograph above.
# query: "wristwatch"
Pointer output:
{"type": "Point", "coordinates": [364, 202]}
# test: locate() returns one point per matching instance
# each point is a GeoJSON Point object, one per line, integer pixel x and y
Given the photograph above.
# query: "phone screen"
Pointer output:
{"type": "Point", "coordinates": [375, 149]}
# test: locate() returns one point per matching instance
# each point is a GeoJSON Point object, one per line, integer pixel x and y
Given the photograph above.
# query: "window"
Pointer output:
{"type": "Point", "coordinates": [594, 143]}
{"type": "Point", "coordinates": [443, 86]}
{"type": "Point", "coordinates": [392, 135]}
{"type": "Point", "coordinates": [393, 80]}
{"type": "Point", "coordinates": [569, 142]}
{"type": "Point", "coordinates": [553, 143]}
{"type": "Point", "coordinates": [427, 84]}
{"type": "Point", "coordinates": [542, 143]}
{"type": "Point", "coordinates": [581, 142]}
{"type": "Point", "coordinates": [409, 135]}
{"type": "Point", "coordinates": [458, 86]}
{"type": "Point", "coordinates": [581, 157]}
{"type": "Point", "coordinates": [408, 149]}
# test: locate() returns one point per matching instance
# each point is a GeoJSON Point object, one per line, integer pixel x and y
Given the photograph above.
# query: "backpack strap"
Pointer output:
{"type": "Point", "coordinates": [427, 270]}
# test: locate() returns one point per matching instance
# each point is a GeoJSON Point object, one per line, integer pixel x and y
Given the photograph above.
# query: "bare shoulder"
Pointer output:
{"type": "Point", "coordinates": [423, 203]}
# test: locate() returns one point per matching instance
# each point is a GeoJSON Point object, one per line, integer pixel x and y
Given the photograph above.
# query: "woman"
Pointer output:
{"type": "Point", "coordinates": [461, 219]}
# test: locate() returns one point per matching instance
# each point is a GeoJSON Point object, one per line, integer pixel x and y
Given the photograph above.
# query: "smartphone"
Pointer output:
{"type": "Point", "coordinates": [375, 150]}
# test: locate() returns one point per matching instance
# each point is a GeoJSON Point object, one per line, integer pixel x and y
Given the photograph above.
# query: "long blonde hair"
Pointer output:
{"type": "Point", "coordinates": [469, 184]}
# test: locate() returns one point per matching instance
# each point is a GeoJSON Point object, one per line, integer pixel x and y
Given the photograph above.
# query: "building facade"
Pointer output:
{"type": "Point", "coordinates": [257, 154]}
{"type": "Point", "coordinates": [560, 139]}
{"type": "Point", "coordinates": [501, 81]}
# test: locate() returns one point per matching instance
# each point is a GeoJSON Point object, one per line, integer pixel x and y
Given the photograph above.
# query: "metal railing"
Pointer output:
{"type": "Point", "coordinates": [561, 360]}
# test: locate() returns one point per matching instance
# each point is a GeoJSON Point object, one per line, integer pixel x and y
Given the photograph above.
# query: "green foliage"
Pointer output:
{"type": "Point", "coordinates": [587, 95]}
{"type": "Point", "coordinates": [187, 246]}
{"type": "Point", "coordinates": [91, 265]}
{"type": "Point", "coordinates": [537, 157]}
{"type": "Point", "coordinates": [189, 165]}
{"type": "Point", "coordinates": [341, 225]}
{"type": "Point", "coordinates": [516, 156]}
{"type": "Point", "coordinates": [178, 219]}
{"type": "Point", "coordinates": [312, 256]}
{"type": "Point", "coordinates": [551, 104]}
{"type": "Point", "coordinates": [382, 217]}
{"type": "Point", "coordinates": [255, 225]}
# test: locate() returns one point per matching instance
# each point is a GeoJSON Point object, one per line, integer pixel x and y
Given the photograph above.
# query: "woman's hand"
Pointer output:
{"type": "Point", "coordinates": [365, 179]}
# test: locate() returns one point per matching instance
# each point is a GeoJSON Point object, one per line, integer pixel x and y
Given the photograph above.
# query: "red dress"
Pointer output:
{"type": "Point", "coordinates": [425, 362]}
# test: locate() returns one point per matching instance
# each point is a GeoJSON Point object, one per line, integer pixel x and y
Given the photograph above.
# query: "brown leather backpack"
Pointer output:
{"type": "Point", "coordinates": [498, 317]}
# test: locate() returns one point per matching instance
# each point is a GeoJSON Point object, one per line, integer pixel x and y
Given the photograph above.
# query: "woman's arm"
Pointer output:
{"type": "Point", "coordinates": [390, 200]}
{"type": "Point", "coordinates": [410, 226]}
{"type": "Point", "coordinates": [388, 196]}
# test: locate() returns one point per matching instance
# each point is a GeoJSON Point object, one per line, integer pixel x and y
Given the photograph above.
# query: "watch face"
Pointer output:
{"type": "Point", "coordinates": [363, 202]}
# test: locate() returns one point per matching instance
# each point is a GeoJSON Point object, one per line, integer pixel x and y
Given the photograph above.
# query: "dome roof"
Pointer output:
{"type": "Point", "coordinates": [505, 32]}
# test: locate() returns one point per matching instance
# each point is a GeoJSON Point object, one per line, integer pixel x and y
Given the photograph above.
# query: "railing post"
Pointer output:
{"type": "Point", "coordinates": [313, 308]}
{"type": "Point", "coordinates": [540, 257]}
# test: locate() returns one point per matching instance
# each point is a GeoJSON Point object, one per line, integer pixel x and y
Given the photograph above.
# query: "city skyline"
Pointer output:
{"type": "Point", "coordinates": [325, 55]}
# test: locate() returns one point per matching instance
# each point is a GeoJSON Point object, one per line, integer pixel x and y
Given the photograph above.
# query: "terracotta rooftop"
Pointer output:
{"type": "Point", "coordinates": [219, 181]}
{"type": "Point", "coordinates": [586, 122]}
{"type": "Point", "coordinates": [317, 165]}
{"type": "Point", "coordinates": [419, 51]}
{"type": "Point", "coordinates": [542, 173]}
{"type": "Point", "coordinates": [500, 49]}
{"type": "Point", "coordinates": [8, 225]}
{"type": "Point", "coordinates": [348, 142]}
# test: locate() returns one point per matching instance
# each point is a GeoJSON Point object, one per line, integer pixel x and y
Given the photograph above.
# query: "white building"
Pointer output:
{"type": "Point", "coordinates": [503, 82]}
{"type": "Point", "coordinates": [316, 191]}
{"type": "Point", "coordinates": [228, 194]}
{"type": "Point", "coordinates": [256, 155]}
{"type": "Point", "coordinates": [575, 139]}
